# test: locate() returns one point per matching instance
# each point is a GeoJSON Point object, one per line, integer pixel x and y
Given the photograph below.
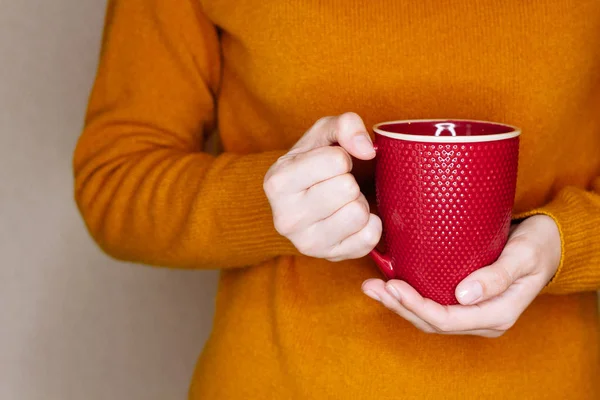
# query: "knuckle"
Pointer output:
{"type": "Point", "coordinates": [422, 326]}
{"type": "Point", "coordinates": [499, 278]}
{"type": "Point", "coordinates": [321, 121]}
{"type": "Point", "coordinates": [494, 334]}
{"type": "Point", "coordinates": [443, 327]}
{"type": "Point", "coordinates": [392, 304]}
{"type": "Point", "coordinates": [306, 248]}
{"type": "Point", "coordinates": [281, 225]}
{"type": "Point", "coordinates": [358, 251]}
{"type": "Point", "coordinates": [274, 183]}
{"type": "Point", "coordinates": [358, 213]}
{"type": "Point", "coordinates": [268, 187]}
{"type": "Point", "coordinates": [349, 187]}
{"type": "Point", "coordinates": [426, 329]}
{"type": "Point", "coordinates": [337, 256]}
{"type": "Point", "coordinates": [372, 235]}
{"type": "Point", "coordinates": [309, 244]}
{"type": "Point", "coordinates": [440, 324]}
{"type": "Point", "coordinates": [530, 254]}
{"type": "Point", "coordinates": [348, 120]}
{"type": "Point", "coordinates": [340, 159]}
{"type": "Point", "coordinates": [505, 318]}
{"type": "Point", "coordinates": [317, 127]}
{"type": "Point", "coordinates": [506, 326]}
{"type": "Point", "coordinates": [284, 224]}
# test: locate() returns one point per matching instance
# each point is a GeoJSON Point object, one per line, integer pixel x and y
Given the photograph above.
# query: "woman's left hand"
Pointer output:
{"type": "Point", "coordinates": [492, 298]}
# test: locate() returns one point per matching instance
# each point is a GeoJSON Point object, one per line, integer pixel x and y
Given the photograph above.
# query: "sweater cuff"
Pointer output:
{"type": "Point", "coordinates": [247, 210]}
{"type": "Point", "coordinates": [579, 227]}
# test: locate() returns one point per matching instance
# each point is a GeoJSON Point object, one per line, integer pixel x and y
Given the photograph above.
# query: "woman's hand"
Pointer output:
{"type": "Point", "coordinates": [316, 201]}
{"type": "Point", "coordinates": [492, 298]}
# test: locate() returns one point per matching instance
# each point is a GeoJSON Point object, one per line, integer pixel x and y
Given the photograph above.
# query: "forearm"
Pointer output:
{"type": "Point", "coordinates": [170, 208]}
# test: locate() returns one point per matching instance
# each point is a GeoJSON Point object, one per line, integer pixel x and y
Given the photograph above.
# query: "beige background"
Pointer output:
{"type": "Point", "coordinates": [73, 323]}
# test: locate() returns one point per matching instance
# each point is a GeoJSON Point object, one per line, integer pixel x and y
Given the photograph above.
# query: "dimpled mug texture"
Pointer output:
{"type": "Point", "coordinates": [446, 209]}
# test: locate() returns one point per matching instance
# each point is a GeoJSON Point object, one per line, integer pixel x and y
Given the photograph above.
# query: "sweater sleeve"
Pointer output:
{"type": "Point", "coordinates": [145, 189]}
{"type": "Point", "coordinates": [577, 214]}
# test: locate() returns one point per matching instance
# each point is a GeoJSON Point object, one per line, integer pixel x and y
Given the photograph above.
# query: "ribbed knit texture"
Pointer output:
{"type": "Point", "coordinates": [577, 214]}
{"type": "Point", "coordinates": [260, 73]}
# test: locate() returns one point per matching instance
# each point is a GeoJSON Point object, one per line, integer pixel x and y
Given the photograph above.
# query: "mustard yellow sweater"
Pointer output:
{"type": "Point", "coordinates": [260, 73]}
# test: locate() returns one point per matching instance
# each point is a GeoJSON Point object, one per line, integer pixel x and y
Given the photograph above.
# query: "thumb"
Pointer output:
{"type": "Point", "coordinates": [489, 281]}
{"type": "Point", "coordinates": [348, 130]}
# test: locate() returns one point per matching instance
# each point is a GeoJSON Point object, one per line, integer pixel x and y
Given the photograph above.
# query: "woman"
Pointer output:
{"type": "Point", "coordinates": [277, 80]}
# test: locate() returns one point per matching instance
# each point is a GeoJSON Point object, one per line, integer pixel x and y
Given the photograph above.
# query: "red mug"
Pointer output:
{"type": "Point", "coordinates": [445, 193]}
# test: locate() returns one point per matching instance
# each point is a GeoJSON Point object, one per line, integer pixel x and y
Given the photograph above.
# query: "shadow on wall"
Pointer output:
{"type": "Point", "coordinates": [120, 328]}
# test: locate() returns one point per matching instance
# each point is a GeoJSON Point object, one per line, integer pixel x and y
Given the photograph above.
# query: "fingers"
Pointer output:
{"type": "Point", "coordinates": [376, 289]}
{"type": "Point", "coordinates": [498, 314]}
{"type": "Point", "coordinates": [296, 174]}
{"type": "Point", "coordinates": [345, 222]}
{"type": "Point", "coordinates": [518, 259]}
{"type": "Point", "coordinates": [331, 195]}
{"type": "Point", "coordinates": [350, 232]}
{"type": "Point", "coordinates": [435, 314]}
{"type": "Point", "coordinates": [316, 202]}
{"type": "Point", "coordinates": [347, 129]}
{"type": "Point", "coordinates": [487, 282]}
{"type": "Point", "coordinates": [359, 244]}
{"type": "Point", "coordinates": [386, 294]}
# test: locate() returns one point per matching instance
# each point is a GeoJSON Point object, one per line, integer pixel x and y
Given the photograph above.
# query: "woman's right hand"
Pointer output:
{"type": "Point", "coordinates": [316, 202]}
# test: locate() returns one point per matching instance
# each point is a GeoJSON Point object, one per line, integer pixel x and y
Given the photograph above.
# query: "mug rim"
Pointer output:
{"type": "Point", "coordinates": [447, 139]}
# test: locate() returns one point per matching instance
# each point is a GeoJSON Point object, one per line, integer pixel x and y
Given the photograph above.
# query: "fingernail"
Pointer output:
{"type": "Point", "coordinates": [470, 292]}
{"type": "Point", "coordinates": [363, 143]}
{"type": "Point", "coordinates": [372, 295]}
{"type": "Point", "coordinates": [393, 291]}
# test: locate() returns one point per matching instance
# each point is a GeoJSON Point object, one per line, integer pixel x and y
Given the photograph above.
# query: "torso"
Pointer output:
{"type": "Point", "coordinates": [300, 328]}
